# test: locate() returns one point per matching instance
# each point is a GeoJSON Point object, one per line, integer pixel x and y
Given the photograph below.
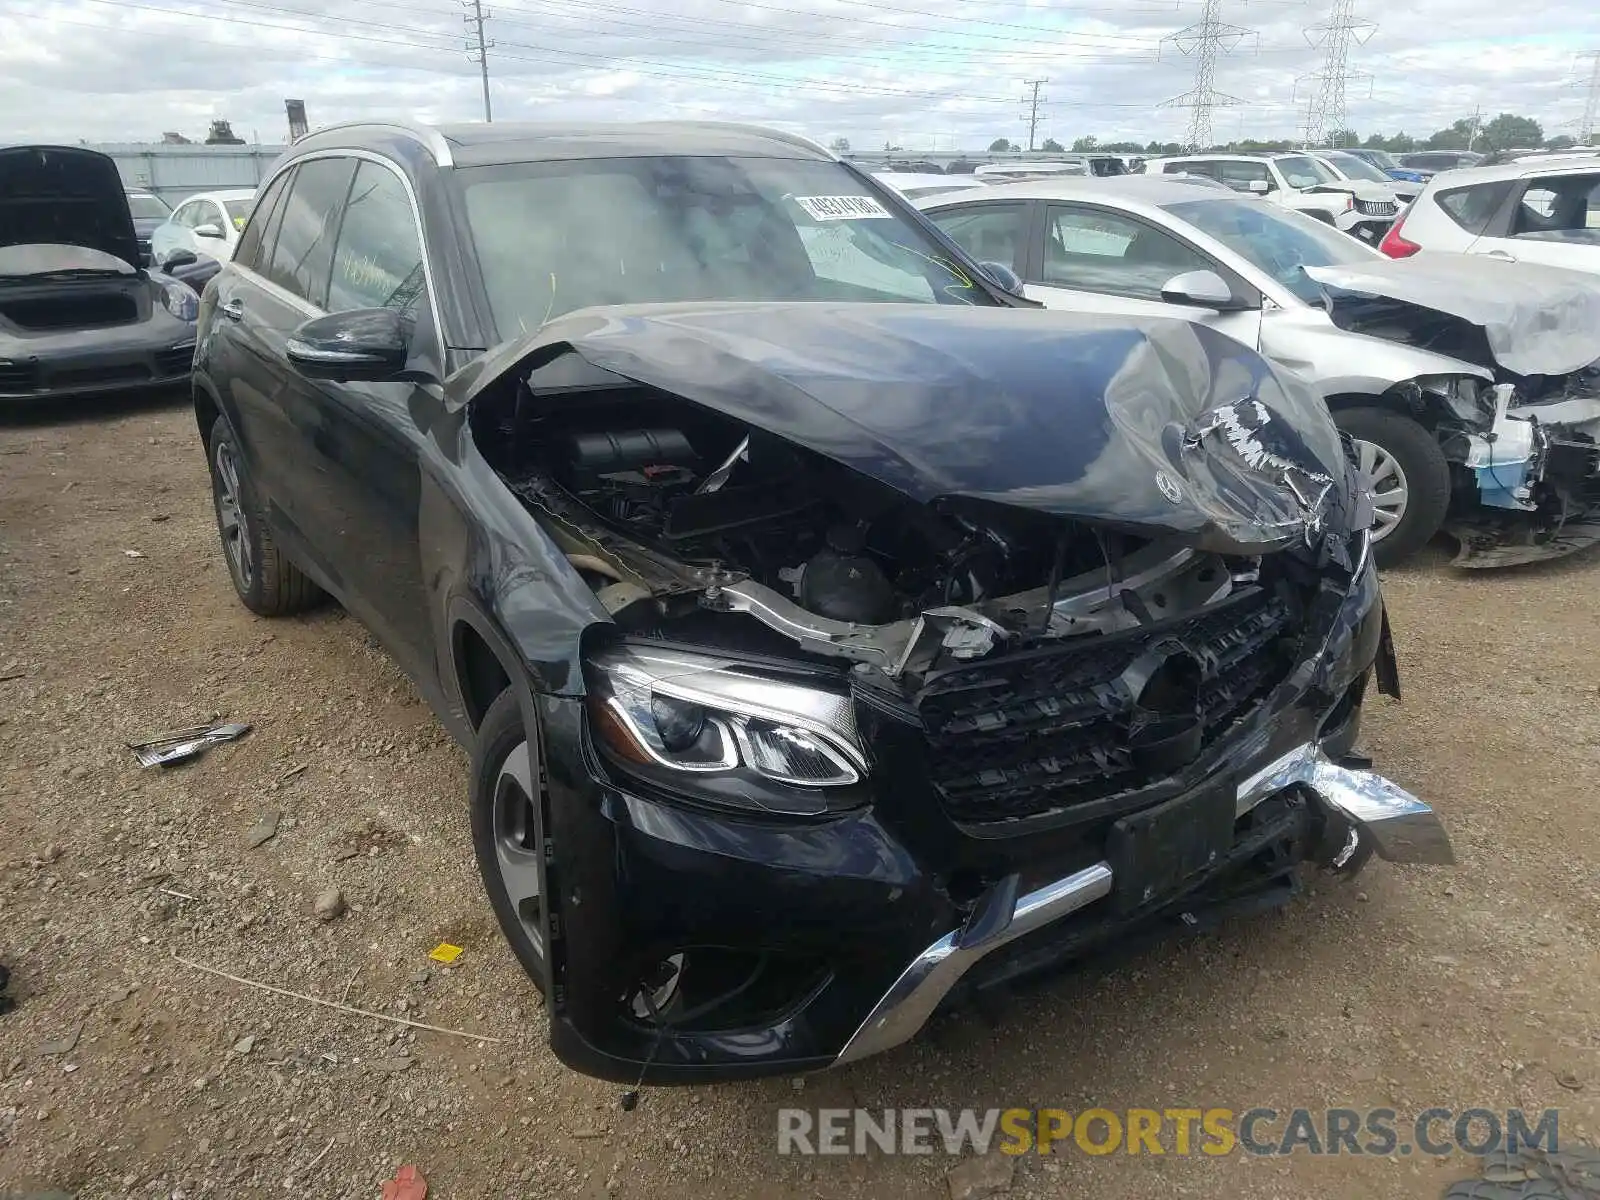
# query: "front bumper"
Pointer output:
{"type": "Point", "coordinates": [121, 362]}
{"type": "Point", "coordinates": [875, 921]}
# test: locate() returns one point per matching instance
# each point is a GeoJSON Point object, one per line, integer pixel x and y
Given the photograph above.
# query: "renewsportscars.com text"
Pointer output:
{"type": "Point", "coordinates": [1177, 1131]}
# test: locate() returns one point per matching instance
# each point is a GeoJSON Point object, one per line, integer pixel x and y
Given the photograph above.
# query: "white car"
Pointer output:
{"type": "Point", "coordinates": [1540, 212]}
{"type": "Point", "coordinates": [1414, 389]}
{"type": "Point", "coordinates": [1297, 181]}
{"type": "Point", "coordinates": [207, 224]}
{"type": "Point", "coordinates": [1353, 169]}
{"type": "Point", "coordinates": [914, 185]}
{"type": "Point", "coordinates": [1010, 171]}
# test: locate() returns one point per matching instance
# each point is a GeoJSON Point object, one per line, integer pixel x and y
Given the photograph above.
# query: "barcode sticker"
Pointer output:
{"type": "Point", "coordinates": [841, 208]}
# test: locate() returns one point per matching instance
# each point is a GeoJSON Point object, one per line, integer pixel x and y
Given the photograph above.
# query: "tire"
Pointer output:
{"type": "Point", "coordinates": [508, 820]}
{"type": "Point", "coordinates": [1421, 472]}
{"type": "Point", "coordinates": [266, 581]}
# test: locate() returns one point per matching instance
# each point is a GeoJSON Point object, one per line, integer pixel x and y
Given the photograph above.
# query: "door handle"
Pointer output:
{"type": "Point", "coordinates": [1500, 254]}
{"type": "Point", "coordinates": [232, 309]}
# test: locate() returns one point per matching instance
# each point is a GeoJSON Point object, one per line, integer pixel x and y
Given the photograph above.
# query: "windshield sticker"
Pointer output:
{"type": "Point", "coordinates": [841, 208]}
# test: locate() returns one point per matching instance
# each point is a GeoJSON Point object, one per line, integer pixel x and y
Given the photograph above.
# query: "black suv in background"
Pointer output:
{"type": "Point", "coordinates": [832, 633]}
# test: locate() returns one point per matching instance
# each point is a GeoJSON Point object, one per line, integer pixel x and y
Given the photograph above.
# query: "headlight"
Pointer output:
{"type": "Point", "coordinates": [734, 737]}
{"type": "Point", "coordinates": [177, 298]}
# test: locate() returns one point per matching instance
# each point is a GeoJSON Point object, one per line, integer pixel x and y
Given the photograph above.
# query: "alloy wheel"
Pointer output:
{"type": "Point", "coordinates": [1388, 483]}
{"type": "Point", "coordinates": [232, 520]}
{"type": "Point", "coordinates": [518, 844]}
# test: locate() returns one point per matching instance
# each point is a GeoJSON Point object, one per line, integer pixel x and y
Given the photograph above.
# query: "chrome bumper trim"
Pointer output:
{"type": "Point", "coordinates": [1401, 827]}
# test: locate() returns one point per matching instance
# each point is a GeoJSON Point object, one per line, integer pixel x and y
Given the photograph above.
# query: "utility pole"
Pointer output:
{"type": "Point", "coordinates": [1326, 111]}
{"type": "Point", "coordinates": [477, 47]}
{"type": "Point", "coordinates": [1591, 107]}
{"type": "Point", "coordinates": [1477, 123]}
{"type": "Point", "coordinates": [1032, 115]}
{"type": "Point", "coordinates": [1206, 40]}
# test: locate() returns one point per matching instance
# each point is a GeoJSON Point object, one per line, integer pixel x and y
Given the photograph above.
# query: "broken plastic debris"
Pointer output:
{"type": "Point", "coordinates": [444, 952]}
{"type": "Point", "coordinates": [183, 744]}
{"type": "Point", "coordinates": [134, 553]}
{"type": "Point", "coordinates": [407, 1184]}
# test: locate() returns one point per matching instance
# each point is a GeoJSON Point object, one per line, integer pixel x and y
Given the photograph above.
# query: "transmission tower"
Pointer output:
{"type": "Point", "coordinates": [1205, 41]}
{"type": "Point", "coordinates": [1032, 115]}
{"type": "Point", "coordinates": [477, 48]}
{"type": "Point", "coordinates": [1591, 106]}
{"type": "Point", "coordinates": [1325, 112]}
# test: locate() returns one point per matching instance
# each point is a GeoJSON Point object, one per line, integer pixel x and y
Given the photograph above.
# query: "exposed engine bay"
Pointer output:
{"type": "Point", "coordinates": [671, 511]}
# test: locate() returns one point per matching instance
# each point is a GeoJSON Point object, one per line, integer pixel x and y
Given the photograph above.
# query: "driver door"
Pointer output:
{"type": "Point", "coordinates": [1095, 260]}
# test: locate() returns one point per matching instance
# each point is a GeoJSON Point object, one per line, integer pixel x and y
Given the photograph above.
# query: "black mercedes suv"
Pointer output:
{"type": "Point", "coordinates": [834, 635]}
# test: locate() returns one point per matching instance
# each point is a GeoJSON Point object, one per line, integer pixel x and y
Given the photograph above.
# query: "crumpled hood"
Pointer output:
{"type": "Point", "coordinates": [65, 196]}
{"type": "Point", "coordinates": [1133, 423]}
{"type": "Point", "coordinates": [1538, 320]}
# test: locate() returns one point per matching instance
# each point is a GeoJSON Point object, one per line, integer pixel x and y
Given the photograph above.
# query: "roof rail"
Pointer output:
{"type": "Point", "coordinates": [782, 135]}
{"type": "Point", "coordinates": [426, 134]}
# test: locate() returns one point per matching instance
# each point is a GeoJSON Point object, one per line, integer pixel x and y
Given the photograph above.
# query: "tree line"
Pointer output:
{"type": "Point", "coordinates": [1508, 131]}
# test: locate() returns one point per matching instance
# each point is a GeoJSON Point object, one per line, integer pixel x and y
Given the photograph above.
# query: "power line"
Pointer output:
{"type": "Point", "coordinates": [474, 17]}
{"type": "Point", "coordinates": [1325, 111]}
{"type": "Point", "coordinates": [1033, 109]}
{"type": "Point", "coordinates": [1206, 40]}
{"type": "Point", "coordinates": [1591, 106]}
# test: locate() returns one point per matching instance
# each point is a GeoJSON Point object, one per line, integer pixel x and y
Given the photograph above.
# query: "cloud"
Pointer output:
{"type": "Point", "coordinates": [924, 73]}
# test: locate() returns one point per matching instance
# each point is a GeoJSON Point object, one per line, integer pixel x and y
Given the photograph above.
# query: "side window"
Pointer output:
{"type": "Point", "coordinates": [1099, 251]}
{"type": "Point", "coordinates": [185, 214]}
{"type": "Point", "coordinates": [249, 252]}
{"type": "Point", "coordinates": [1558, 208]}
{"type": "Point", "coordinates": [1240, 175]}
{"type": "Point", "coordinates": [1473, 208]}
{"type": "Point", "coordinates": [303, 255]}
{"type": "Point", "coordinates": [987, 232]}
{"type": "Point", "coordinates": [377, 262]}
{"type": "Point", "coordinates": [211, 214]}
{"type": "Point", "coordinates": [1184, 168]}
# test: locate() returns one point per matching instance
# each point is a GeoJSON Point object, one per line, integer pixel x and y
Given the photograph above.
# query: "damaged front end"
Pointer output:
{"type": "Point", "coordinates": [1033, 628]}
{"type": "Point", "coordinates": [1522, 435]}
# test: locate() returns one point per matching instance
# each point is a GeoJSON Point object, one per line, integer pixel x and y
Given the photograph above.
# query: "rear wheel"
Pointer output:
{"type": "Point", "coordinates": [266, 581]}
{"type": "Point", "coordinates": [1409, 477]}
{"type": "Point", "coordinates": [508, 830]}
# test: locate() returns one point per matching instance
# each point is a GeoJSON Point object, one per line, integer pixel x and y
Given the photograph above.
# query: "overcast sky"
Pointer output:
{"type": "Point", "coordinates": [925, 73]}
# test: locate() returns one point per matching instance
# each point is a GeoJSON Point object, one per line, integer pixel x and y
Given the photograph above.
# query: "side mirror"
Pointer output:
{"type": "Point", "coordinates": [1258, 187]}
{"type": "Point", "coordinates": [369, 344]}
{"type": "Point", "coordinates": [1003, 277]}
{"type": "Point", "coordinates": [1199, 289]}
{"type": "Point", "coordinates": [179, 258]}
{"type": "Point", "coordinates": [208, 230]}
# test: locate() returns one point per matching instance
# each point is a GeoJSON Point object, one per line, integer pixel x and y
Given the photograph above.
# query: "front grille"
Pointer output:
{"type": "Point", "coordinates": [177, 361]}
{"type": "Point", "coordinates": [1377, 208]}
{"type": "Point", "coordinates": [103, 373]}
{"type": "Point", "coordinates": [1045, 730]}
{"type": "Point", "coordinates": [16, 377]}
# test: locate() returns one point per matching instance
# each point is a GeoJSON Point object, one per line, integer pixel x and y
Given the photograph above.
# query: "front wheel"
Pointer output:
{"type": "Point", "coordinates": [1409, 477]}
{"type": "Point", "coordinates": [508, 830]}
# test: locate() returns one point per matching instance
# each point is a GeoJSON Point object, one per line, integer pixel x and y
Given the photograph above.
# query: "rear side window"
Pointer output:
{"type": "Point", "coordinates": [378, 260]}
{"type": "Point", "coordinates": [1240, 175]}
{"type": "Point", "coordinates": [249, 252]}
{"type": "Point", "coordinates": [1473, 208]}
{"type": "Point", "coordinates": [987, 232]}
{"type": "Point", "coordinates": [303, 255]}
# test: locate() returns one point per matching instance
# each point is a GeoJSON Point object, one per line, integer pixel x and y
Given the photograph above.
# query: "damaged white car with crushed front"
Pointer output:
{"type": "Point", "coordinates": [834, 639]}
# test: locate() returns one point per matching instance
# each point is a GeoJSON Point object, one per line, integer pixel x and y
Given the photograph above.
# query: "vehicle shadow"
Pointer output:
{"type": "Point", "coordinates": [50, 411]}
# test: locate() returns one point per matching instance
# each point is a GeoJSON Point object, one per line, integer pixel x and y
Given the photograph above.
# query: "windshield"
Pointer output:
{"type": "Point", "coordinates": [239, 210]}
{"type": "Point", "coordinates": [1356, 168]}
{"type": "Point", "coordinates": [1277, 241]}
{"type": "Point", "coordinates": [1302, 172]}
{"type": "Point", "coordinates": [555, 236]}
{"type": "Point", "coordinates": [147, 207]}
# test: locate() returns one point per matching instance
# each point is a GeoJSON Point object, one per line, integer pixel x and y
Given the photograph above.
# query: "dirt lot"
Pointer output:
{"type": "Point", "coordinates": [1410, 988]}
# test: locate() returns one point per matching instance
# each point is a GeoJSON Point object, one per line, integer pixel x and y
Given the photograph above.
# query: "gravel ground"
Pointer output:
{"type": "Point", "coordinates": [126, 1073]}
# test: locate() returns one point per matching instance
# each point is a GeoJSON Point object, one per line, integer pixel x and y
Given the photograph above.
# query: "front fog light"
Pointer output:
{"type": "Point", "coordinates": [656, 708]}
